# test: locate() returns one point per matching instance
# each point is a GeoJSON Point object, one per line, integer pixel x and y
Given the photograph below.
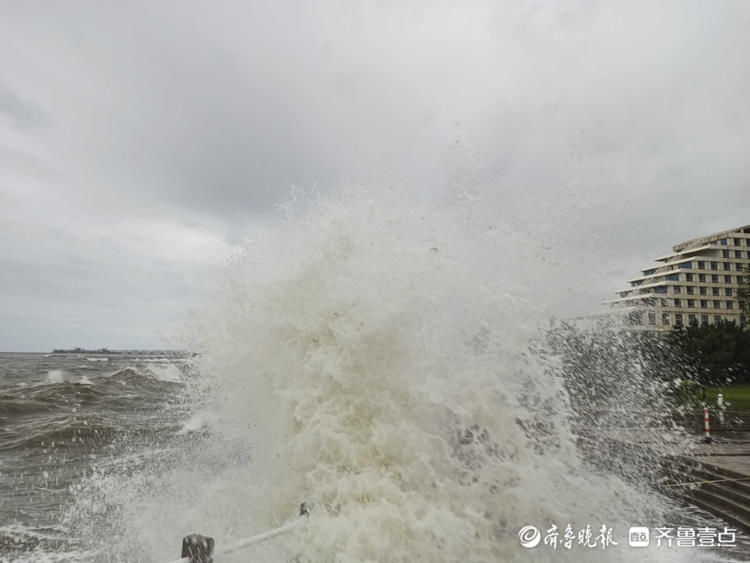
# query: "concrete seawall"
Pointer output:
{"type": "Point", "coordinates": [719, 480]}
{"type": "Point", "coordinates": [713, 476]}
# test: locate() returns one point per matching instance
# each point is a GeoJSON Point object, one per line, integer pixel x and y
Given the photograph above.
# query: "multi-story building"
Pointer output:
{"type": "Point", "coordinates": [696, 284]}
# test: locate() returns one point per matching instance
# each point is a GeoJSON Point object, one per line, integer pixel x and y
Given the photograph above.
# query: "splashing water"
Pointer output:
{"type": "Point", "coordinates": [371, 356]}
{"type": "Point", "coordinates": [56, 376]}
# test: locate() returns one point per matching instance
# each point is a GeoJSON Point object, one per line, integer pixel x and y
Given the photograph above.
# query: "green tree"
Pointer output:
{"type": "Point", "coordinates": [719, 352]}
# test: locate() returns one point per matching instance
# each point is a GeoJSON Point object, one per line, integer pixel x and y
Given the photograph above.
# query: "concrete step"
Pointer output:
{"type": "Point", "coordinates": [721, 512]}
{"type": "Point", "coordinates": [724, 490]}
{"type": "Point", "coordinates": [722, 481]}
{"type": "Point", "coordinates": [729, 503]}
{"type": "Point", "coordinates": [721, 470]}
{"type": "Point", "coordinates": [727, 499]}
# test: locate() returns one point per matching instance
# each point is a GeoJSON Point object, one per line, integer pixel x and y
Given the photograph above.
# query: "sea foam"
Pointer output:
{"type": "Point", "coordinates": [374, 356]}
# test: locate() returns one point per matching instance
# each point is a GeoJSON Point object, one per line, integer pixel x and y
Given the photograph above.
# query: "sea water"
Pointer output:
{"type": "Point", "coordinates": [373, 356]}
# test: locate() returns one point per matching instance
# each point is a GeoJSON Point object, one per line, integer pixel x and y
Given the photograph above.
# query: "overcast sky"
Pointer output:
{"type": "Point", "coordinates": [140, 143]}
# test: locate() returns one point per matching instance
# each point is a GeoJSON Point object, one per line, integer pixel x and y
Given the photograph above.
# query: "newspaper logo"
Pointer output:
{"type": "Point", "coordinates": [638, 536]}
{"type": "Point", "coordinates": [529, 536]}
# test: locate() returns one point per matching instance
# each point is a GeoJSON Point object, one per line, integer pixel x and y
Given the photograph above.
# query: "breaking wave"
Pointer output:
{"type": "Point", "coordinates": [375, 357]}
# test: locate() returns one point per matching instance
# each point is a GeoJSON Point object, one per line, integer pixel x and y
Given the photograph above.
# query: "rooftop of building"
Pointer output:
{"type": "Point", "coordinates": [702, 240]}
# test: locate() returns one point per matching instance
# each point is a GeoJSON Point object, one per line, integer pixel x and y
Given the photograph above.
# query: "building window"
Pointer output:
{"type": "Point", "coordinates": [729, 292]}
{"type": "Point", "coordinates": [678, 319]}
{"type": "Point", "coordinates": [665, 318]}
{"type": "Point", "coordinates": [686, 266]}
{"type": "Point", "coordinates": [717, 319]}
{"type": "Point", "coordinates": [730, 304]}
{"type": "Point", "coordinates": [692, 321]}
{"type": "Point", "coordinates": [703, 291]}
{"type": "Point", "coordinates": [701, 265]}
{"type": "Point", "coordinates": [690, 290]}
{"type": "Point", "coordinates": [688, 277]}
{"type": "Point", "coordinates": [737, 241]}
{"type": "Point", "coordinates": [673, 277]}
{"type": "Point", "coordinates": [723, 242]}
{"type": "Point", "coordinates": [717, 304]}
{"type": "Point", "coordinates": [727, 266]}
{"type": "Point", "coordinates": [714, 278]}
{"type": "Point", "coordinates": [691, 303]}
{"type": "Point", "coordinates": [738, 253]}
{"type": "Point", "coordinates": [740, 280]}
{"type": "Point", "coordinates": [704, 320]}
{"type": "Point", "coordinates": [676, 289]}
{"type": "Point", "coordinates": [704, 303]}
{"type": "Point", "coordinates": [715, 291]}
{"type": "Point", "coordinates": [702, 278]}
{"type": "Point", "coordinates": [714, 265]}
{"type": "Point", "coordinates": [738, 266]}
{"type": "Point", "coordinates": [748, 254]}
{"type": "Point", "coordinates": [648, 272]}
{"type": "Point", "coordinates": [660, 289]}
{"type": "Point", "coordinates": [677, 303]}
{"type": "Point", "coordinates": [651, 318]}
{"type": "Point", "coordinates": [727, 279]}
{"type": "Point", "coordinates": [725, 253]}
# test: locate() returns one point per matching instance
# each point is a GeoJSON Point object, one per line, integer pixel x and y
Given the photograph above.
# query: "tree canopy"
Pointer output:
{"type": "Point", "coordinates": [720, 353]}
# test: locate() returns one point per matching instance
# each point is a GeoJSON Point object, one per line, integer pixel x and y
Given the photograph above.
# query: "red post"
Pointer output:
{"type": "Point", "coordinates": [707, 439]}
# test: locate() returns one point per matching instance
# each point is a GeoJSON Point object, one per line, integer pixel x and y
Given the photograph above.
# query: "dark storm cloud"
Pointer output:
{"type": "Point", "coordinates": [133, 133]}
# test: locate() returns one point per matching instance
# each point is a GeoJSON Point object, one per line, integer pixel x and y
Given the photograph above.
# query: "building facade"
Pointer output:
{"type": "Point", "coordinates": [696, 284]}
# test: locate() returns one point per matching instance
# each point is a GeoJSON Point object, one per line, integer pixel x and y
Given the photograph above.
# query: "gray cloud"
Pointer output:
{"type": "Point", "coordinates": [21, 112]}
{"type": "Point", "coordinates": [607, 131]}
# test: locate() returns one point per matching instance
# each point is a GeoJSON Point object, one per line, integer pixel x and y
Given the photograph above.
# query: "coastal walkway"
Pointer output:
{"type": "Point", "coordinates": [714, 476]}
{"type": "Point", "coordinates": [721, 473]}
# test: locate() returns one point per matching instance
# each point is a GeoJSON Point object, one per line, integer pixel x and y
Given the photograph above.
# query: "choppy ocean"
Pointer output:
{"type": "Point", "coordinates": [63, 420]}
{"type": "Point", "coordinates": [86, 442]}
